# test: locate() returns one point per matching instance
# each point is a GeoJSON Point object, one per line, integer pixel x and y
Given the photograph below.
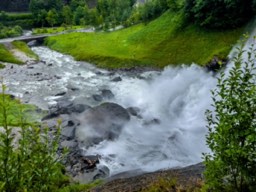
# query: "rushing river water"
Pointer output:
{"type": "Point", "coordinates": [172, 127]}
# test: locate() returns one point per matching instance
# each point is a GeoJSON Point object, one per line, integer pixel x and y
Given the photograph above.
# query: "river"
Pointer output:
{"type": "Point", "coordinates": [171, 129]}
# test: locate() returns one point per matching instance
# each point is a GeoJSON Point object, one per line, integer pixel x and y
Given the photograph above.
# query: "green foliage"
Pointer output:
{"type": "Point", "coordinates": [151, 9]}
{"type": "Point", "coordinates": [52, 17]}
{"type": "Point", "coordinates": [7, 56]}
{"type": "Point", "coordinates": [114, 12]}
{"type": "Point", "coordinates": [232, 136]}
{"type": "Point", "coordinates": [46, 11]}
{"type": "Point", "coordinates": [10, 31]}
{"type": "Point", "coordinates": [29, 161]}
{"type": "Point", "coordinates": [154, 44]}
{"type": "Point", "coordinates": [22, 46]}
{"type": "Point", "coordinates": [67, 15]}
{"type": "Point", "coordinates": [219, 14]}
{"type": "Point", "coordinates": [25, 20]}
{"type": "Point", "coordinates": [52, 30]}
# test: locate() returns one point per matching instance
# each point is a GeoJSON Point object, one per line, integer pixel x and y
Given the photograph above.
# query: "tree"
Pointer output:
{"type": "Point", "coordinates": [232, 129]}
{"type": "Point", "coordinates": [52, 17]}
{"type": "Point", "coordinates": [39, 7]}
{"type": "Point", "coordinates": [81, 14]}
{"type": "Point", "coordinates": [67, 15]}
{"type": "Point", "coordinates": [219, 14]}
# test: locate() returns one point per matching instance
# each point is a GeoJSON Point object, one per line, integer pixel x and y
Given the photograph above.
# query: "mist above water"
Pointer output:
{"type": "Point", "coordinates": [177, 98]}
{"type": "Point", "coordinates": [171, 127]}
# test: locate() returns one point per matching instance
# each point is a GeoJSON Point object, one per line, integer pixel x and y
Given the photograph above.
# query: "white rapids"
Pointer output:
{"type": "Point", "coordinates": [171, 130]}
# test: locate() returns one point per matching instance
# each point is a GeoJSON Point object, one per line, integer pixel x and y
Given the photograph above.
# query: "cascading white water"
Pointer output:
{"type": "Point", "coordinates": [177, 98]}
{"type": "Point", "coordinates": [171, 130]}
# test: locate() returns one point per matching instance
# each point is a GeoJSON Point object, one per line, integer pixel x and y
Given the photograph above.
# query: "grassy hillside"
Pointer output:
{"type": "Point", "coordinates": [161, 42]}
{"type": "Point", "coordinates": [7, 56]}
{"type": "Point", "coordinates": [22, 46]}
{"type": "Point", "coordinates": [6, 52]}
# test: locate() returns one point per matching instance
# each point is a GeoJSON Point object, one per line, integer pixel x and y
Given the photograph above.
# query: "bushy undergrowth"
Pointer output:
{"type": "Point", "coordinates": [28, 153]}
{"type": "Point", "coordinates": [24, 20]}
{"type": "Point", "coordinates": [55, 29]}
{"type": "Point", "coordinates": [10, 31]}
{"type": "Point", "coordinates": [232, 128]}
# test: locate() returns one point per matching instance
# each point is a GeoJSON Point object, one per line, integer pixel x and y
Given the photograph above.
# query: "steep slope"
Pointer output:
{"type": "Point", "coordinates": [166, 40]}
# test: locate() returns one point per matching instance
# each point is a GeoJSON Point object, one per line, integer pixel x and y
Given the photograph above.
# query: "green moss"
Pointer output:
{"type": "Point", "coordinates": [7, 56]}
{"type": "Point", "coordinates": [24, 48]}
{"type": "Point", "coordinates": [161, 42]}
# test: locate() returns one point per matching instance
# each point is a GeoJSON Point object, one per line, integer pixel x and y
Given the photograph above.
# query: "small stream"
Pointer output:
{"type": "Point", "coordinates": [171, 129]}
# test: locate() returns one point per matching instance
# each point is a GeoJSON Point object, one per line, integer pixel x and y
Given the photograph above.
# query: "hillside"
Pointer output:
{"type": "Point", "coordinates": [166, 40]}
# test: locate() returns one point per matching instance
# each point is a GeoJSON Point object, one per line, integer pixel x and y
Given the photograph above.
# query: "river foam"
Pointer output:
{"type": "Point", "coordinates": [170, 128]}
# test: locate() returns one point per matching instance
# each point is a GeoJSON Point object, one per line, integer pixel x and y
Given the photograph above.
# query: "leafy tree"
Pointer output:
{"type": "Point", "coordinates": [67, 15]}
{"type": "Point", "coordinates": [114, 12]}
{"type": "Point", "coordinates": [74, 4]}
{"type": "Point", "coordinates": [40, 7]}
{"type": "Point", "coordinates": [232, 129]}
{"type": "Point", "coordinates": [52, 17]}
{"type": "Point", "coordinates": [81, 14]}
{"type": "Point", "coordinates": [219, 14]}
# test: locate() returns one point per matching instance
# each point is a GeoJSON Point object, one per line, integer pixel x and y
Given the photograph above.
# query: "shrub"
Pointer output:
{"type": "Point", "coordinates": [28, 158]}
{"type": "Point", "coordinates": [232, 129]}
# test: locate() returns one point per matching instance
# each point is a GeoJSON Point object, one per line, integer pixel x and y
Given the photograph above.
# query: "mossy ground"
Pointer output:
{"type": "Point", "coordinates": [166, 40]}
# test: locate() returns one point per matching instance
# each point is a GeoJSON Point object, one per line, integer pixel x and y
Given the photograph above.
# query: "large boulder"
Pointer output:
{"type": "Point", "coordinates": [103, 122]}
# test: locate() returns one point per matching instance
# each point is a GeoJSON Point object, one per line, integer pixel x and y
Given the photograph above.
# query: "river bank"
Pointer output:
{"type": "Point", "coordinates": [178, 179]}
{"type": "Point", "coordinates": [166, 40]}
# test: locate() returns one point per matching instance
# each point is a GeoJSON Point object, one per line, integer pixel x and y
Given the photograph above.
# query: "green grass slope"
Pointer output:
{"type": "Point", "coordinates": [22, 46]}
{"type": "Point", "coordinates": [7, 56]}
{"type": "Point", "coordinates": [161, 42]}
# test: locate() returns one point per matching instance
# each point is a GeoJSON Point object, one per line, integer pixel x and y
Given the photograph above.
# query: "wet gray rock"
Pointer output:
{"type": "Point", "coordinates": [117, 79]}
{"type": "Point", "coordinates": [32, 43]}
{"type": "Point", "coordinates": [216, 64]}
{"type": "Point", "coordinates": [103, 122]}
{"type": "Point", "coordinates": [90, 175]}
{"type": "Point", "coordinates": [97, 97]}
{"type": "Point", "coordinates": [134, 111]}
{"type": "Point", "coordinates": [79, 108]}
{"type": "Point", "coordinates": [69, 144]}
{"type": "Point", "coordinates": [107, 94]}
{"type": "Point", "coordinates": [154, 121]}
{"type": "Point", "coordinates": [68, 132]}
{"type": "Point", "coordinates": [65, 106]}
{"type": "Point", "coordinates": [61, 93]}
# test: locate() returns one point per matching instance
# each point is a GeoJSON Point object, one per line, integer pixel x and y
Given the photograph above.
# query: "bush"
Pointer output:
{"type": "Point", "coordinates": [232, 136]}
{"type": "Point", "coordinates": [10, 31]}
{"type": "Point", "coordinates": [28, 158]}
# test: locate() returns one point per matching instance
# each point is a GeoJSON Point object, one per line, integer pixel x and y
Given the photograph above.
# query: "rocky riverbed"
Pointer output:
{"type": "Point", "coordinates": [114, 122]}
